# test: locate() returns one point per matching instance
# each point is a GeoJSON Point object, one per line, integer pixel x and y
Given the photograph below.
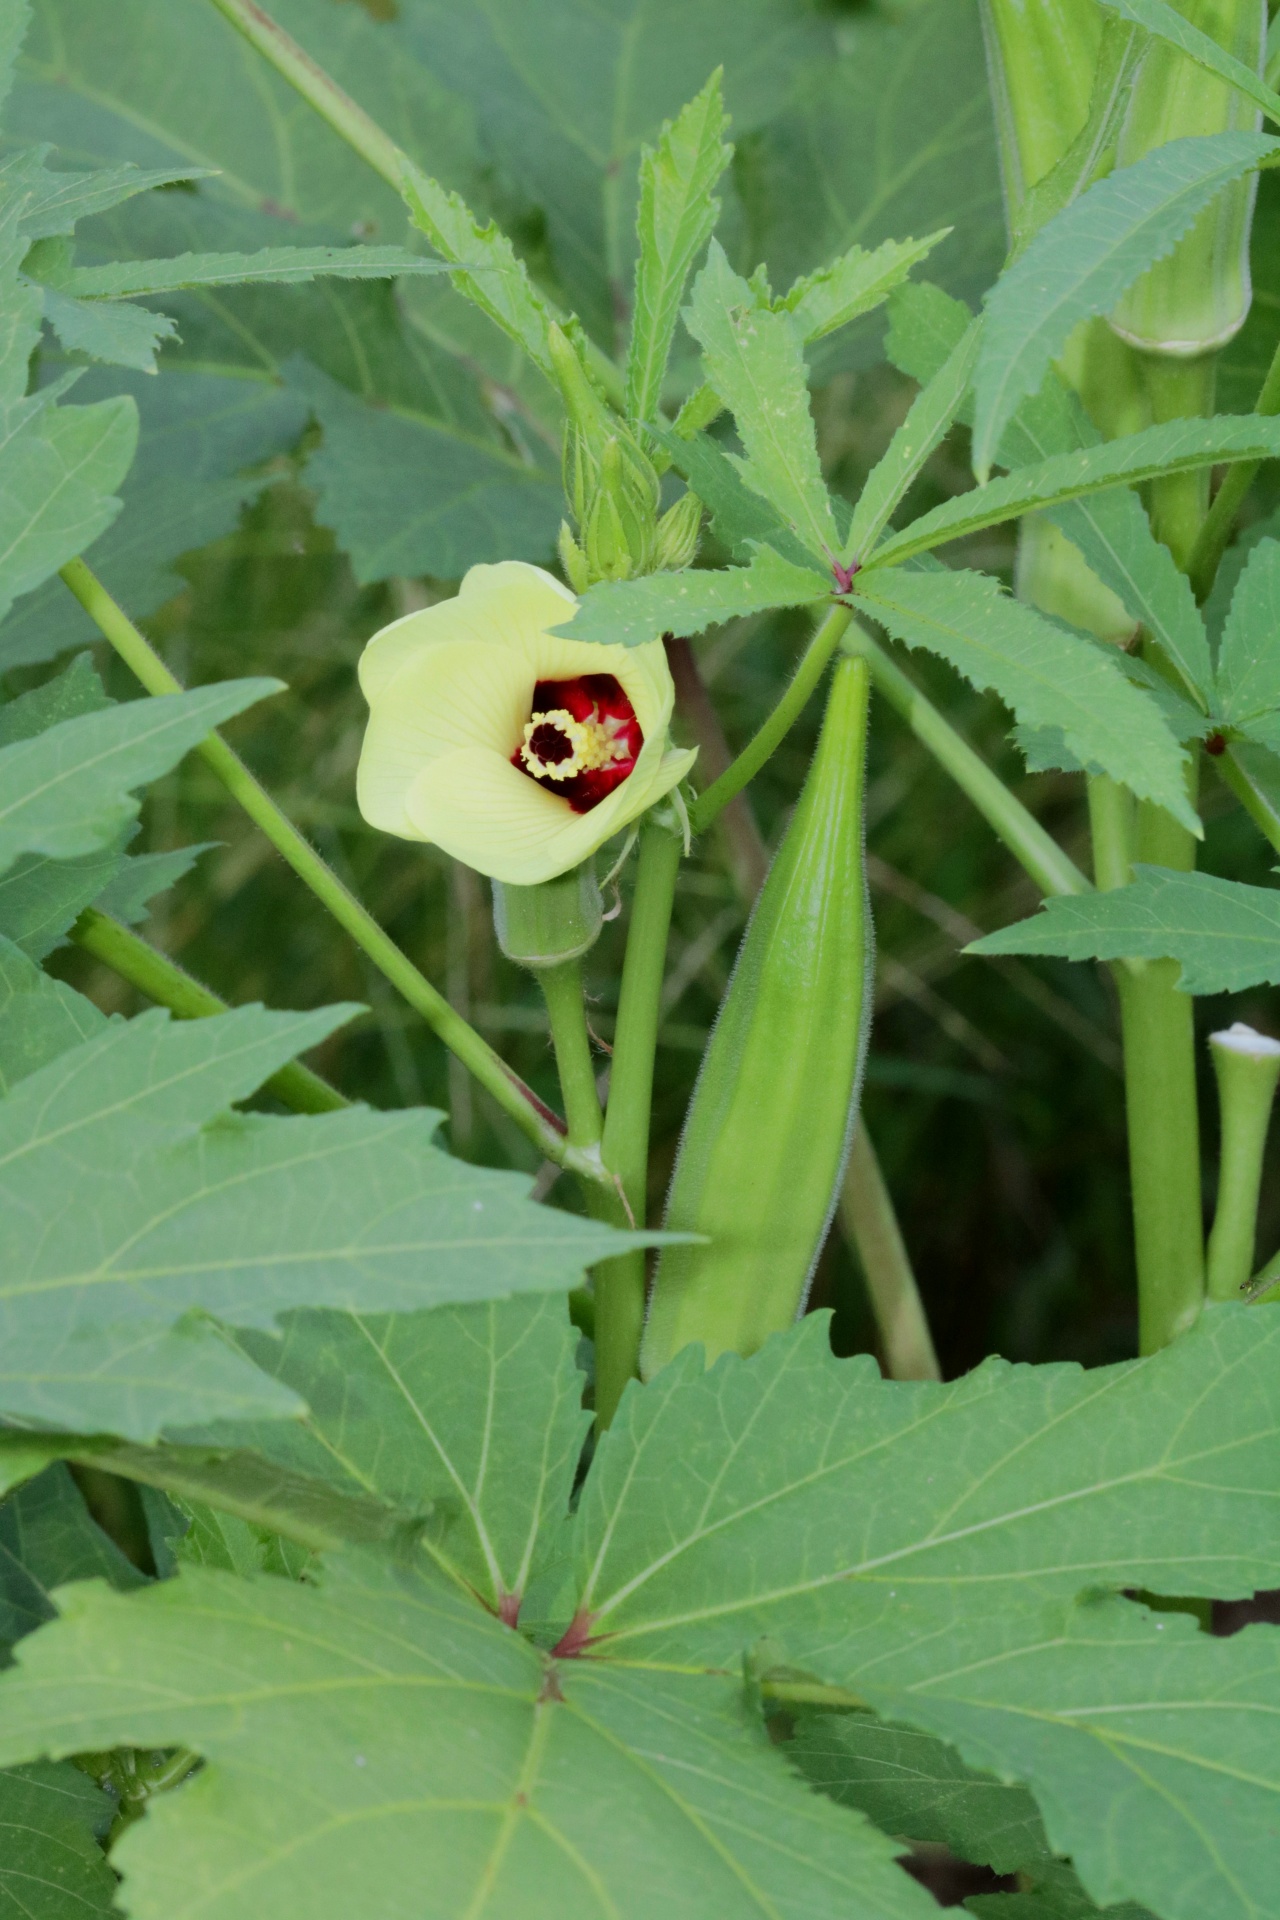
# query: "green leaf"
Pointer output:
{"type": "Point", "coordinates": [1248, 686]}
{"type": "Point", "coordinates": [755, 361]}
{"type": "Point", "coordinates": [855, 284]}
{"type": "Point", "coordinates": [1225, 935]}
{"type": "Point", "coordinates": [799, 1497]}
{"type": "Point", "coordinates": [407, 495]}
{"type": "Point", "coordinates": [741, 520]}
{"type": "Point", "coordinates": [1178, 446]}
{"type": "Point", "coordinates": [566, 100]}
{"type": "Point", "coordinates": [120, 335]}
{"type": "Point", "coordinates": [76, 690]}
{"type": "Point", "coordinates": [182, 1208]}
{"type": "Point", "coordinates": [678, 210]}
{"type": "Point", "coordinates": [1144, 1740]}
{"type": "Point", "coordinates": [202, 441]}
{"type": "Point", "coordinates": [1082, 262]}
{"type": "Point", "coordinates": [1166, 23]}
{"type": "Point", "coordinates": [71, 789]}
{"type": "Point", "coordinates": [56, 202]}
{"type": "Point", "coordinates": [47, 1537]}
{"type": "Point", "coordinates": [891, 133]}
{"type": "Point", "coordinates": [39, 1017]}
{"type": "Point", "coordinates": [631, 612]}
{"type": "Point", "coordinates": [51, 1866]}
{"type": "Point", "coordinates": [164, 82]}
{"type": "Point", "coordinates": [910, 1783]}
{"type": "Point", "coordinates": [59, 468]}
{"type": "Point", "coordinates": [384, 1735]}
{"type": "Point", "coordinates": [249, 1495]}
{"type": "Point", "coordinates": [285, 266]}
{"type": "Point", "coordinates": [466, 1421]}
{"type": "Point", "coordinates": [1046, 674]}
{"type": "Point", "coordinates": [918, 1547]}
{"type": "Point", "coordinates": [932, 413]}
{"type": "Point", "coordinates": [1051, 1892]}
{"type": "Point", "coordinates": [926, 325]}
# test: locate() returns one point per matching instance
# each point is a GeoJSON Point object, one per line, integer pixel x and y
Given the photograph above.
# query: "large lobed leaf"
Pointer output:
{"type": "Point", "coordinates": [631, 612]}
{"type": "Point", "coordinates": [184, 1211]}
{"type": "Point", "coordinates": [380, 1735]}
{"type": "Point", "coordinates": [920, 1547]}
{"type": "Point", "coordinates": [51, 1865]}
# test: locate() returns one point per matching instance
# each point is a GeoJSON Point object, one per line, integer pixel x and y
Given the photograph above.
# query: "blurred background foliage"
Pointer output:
{"type": "Point", "coordinates": [316, 460]}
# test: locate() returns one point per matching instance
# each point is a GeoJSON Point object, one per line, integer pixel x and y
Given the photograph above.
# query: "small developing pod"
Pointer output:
{"type": "Point", "coordinates": [1197, 298]}
{"type": "Point", "coordinates": [771, 1119]}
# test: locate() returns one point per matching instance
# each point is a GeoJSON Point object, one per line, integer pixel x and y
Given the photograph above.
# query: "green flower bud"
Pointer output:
{"type": "Point", "coordinates": [1041, 58]}
{"type": "Point", "coordinates": [609, 480]}
{"type": "Point", "coordinates": [573, 559]}
{"type": "Point", "coordinates": [678, 533]}
{"type": "Point", "coordinates": [1198, 297]}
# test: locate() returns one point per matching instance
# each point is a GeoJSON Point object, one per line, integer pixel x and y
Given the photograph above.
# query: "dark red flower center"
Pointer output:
{"type": "Point", "coordinates": [582, 739]}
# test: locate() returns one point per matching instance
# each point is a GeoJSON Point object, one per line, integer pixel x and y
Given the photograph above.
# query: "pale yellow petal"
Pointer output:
{"type": "Point", "coordinates": [483, 811]}
{"type": "Point", "coordinates": [503, 604]}
{"type": "Point", "coordinates": [452, 696]}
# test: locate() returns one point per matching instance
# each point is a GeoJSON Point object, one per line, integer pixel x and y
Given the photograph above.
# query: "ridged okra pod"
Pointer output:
{"type": "Point", "coordinates": [1197, 298]}
{"type": "Point", "coordinates": [771, 1120]}
{"type": "Point", "coordinates": [1041, 59]}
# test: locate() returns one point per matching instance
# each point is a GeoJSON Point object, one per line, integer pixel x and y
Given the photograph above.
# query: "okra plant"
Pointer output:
{"type": "Point", "coordinates": [387, 1532]}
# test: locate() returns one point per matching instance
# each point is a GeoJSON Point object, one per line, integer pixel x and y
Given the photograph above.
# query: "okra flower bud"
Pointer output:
{"type": "Point", "coordinates": [1197, 298]}
{"type": "Point", "coordinates": [515, 749]}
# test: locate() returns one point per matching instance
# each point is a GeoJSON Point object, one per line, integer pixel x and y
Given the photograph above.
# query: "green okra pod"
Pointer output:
{"type": "Point", "coordinates": [772, 1115]}
{"type": "Point", "coordinates": [1197, 298]}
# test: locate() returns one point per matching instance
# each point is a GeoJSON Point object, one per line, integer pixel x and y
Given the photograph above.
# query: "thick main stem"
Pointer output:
{"type": "Point", "coordinates": [1157, 1020]}
{"type": "Point", "coordinates": [562, 990]}
{"type": "Point", "coordinates": [534, 1118]}
{"type": "Point", "coordinates": [620, 1284]}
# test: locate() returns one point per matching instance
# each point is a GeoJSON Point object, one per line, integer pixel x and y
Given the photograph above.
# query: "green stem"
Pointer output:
{"type": "Point", "coordinates": [620, 1284]}
{"type": "Point", "coordinates": [707, 806]}
{"type": "Point", "coordinates": [1112, 823]}
{"type": "Point", "coordinates": [1157, 1020]}
{"type": "Point", "coordinates": [362, 133]}
{"type": "Point", "coordinates": [869, 1221]}
{"type": "Point", "coordinates": [534, 1118]}
{"type": "Point", "coordinates": [157, 976]}
{"type": "Point", "coordinates": [1219, 523]}
{"type": "Point", "coordinates": [562, 990]}
{"type": "Point", "coordinates": [1255, 797]}
{"type": "Point", "coordinates": [1035, 850]}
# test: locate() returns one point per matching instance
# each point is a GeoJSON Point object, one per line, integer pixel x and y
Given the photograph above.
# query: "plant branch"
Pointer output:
{"type": "Point", "coordinates": [869, 1222]}
{"type": "Point", "coordinates": [1036, 851]}
{"type": "Point", "coordinates": [1219, 523]}
{"type": "Point", "coordinates": [362, 133]}
{"type": "Point", "coordinates": [708, 805]}
{"type": "Point", "coordinates": [562, 990]}
{"type": "Point", "coordinates": [154, 974]}
{"type": "Point", "coordinates": [534, 1118]}
{"type": "Point", "coordinates": [620, 1284]}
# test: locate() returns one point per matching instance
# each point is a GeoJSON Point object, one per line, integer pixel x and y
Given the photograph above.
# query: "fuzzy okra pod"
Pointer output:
{"type": "Point", "coordinates": [772, 1115]}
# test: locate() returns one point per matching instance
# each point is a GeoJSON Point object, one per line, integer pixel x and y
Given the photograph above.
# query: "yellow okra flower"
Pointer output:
{"type": "Point", "coordinates": [515, 749]}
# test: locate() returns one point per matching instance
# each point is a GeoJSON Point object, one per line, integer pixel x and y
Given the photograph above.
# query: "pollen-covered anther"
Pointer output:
{"type": "Point", "coordinates": [556, 746]}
